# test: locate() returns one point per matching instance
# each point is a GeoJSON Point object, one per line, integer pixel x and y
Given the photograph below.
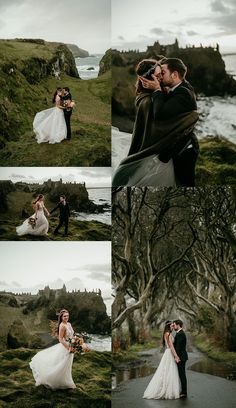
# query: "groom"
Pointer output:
{"type": "Point", "coordinates": [66, 97]}
{"type": "Point", "coordinates": [179, 99]}
{"type": "Point", "coordinates": [64, 209]}
{"type": "Point", "coordinates": [180, 348]}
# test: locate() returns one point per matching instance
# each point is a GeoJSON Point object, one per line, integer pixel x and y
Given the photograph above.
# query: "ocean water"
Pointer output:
{"type": "Point", "coordinates": [98, 196]}
{"type": "Point", "coordinates": [217, 118]}
{"type": "Point", "coordinates": [100, 342]}
{"type": "Point", "coordinates": [230, 64]}
{"type": "Point", "coordinates": [83, 65]}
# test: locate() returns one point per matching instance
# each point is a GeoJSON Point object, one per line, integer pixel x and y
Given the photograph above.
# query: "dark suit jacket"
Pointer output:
{"type": "Point", "coordinates": [180, 345]}
{"type": "Point", "coordinates": [64, 210]}
{"type": "Point", "coordinates": [166, 106]}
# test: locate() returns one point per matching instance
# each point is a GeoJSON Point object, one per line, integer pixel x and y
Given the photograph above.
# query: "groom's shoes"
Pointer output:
{"type": "Point", "coordinates": [183, 396]}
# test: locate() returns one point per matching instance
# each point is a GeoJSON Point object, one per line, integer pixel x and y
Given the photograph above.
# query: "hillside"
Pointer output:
{"type": "Point", "coordinates": [26, 318]}
{"type": "Point", "coordinates": [16, 205]}
{"type": "Point", "coordinates": [77, 51]}
{"type": "Point", "coordinates": [31, 70]}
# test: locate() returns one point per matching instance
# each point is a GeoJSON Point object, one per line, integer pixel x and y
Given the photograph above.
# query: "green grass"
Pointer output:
{"type": "Point", "coordinates": [78, 230]}
{"type": "Point", "coordinates": [20, 101]}
{"type": "Point", "coordinates": [208, 346]}
{"type": "Point", "coordinates": [216, 162]}
{"type": "Point", "coordinates": [133, 352]}
{"type": "Point", "coordinates": [91, 373]}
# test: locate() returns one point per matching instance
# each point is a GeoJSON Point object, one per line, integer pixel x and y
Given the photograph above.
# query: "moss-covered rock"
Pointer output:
{"type": "Point", "coordinates": [18, 335]}
{"type": "Point", "coordinates": [216, 162]}
{"type": "Point", "coordinates": [91, 373]}
{"type": "Point", "coordinates": [105, 63]}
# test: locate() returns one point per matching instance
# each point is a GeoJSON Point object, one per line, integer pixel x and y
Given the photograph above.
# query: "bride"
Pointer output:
{"type": "Point", "coordinates": [52, 367]}
{"type": "Point", "coordinates": [49, 125]}
{"type": "Point", "coordinates": [151, 137]}
{"type": "Point", "coordinates": [37, 224]}
{"type": "Point", "coordinates": [165, 383]}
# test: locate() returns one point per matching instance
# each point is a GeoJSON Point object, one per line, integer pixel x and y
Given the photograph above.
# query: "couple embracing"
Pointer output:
{"type": "Point", "coordinates": [169, 380]}
{"type": "Point", "coordinates": [53, 125]}
{"type": "Point", "coordinates": [163, 149]}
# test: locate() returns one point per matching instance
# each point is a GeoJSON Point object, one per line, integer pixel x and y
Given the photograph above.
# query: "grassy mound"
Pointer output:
{"type": "Point", "coordinates": [216, 163]}
{"type": "Point", "coordinates": [22, 96]}
{"type": "Point", "coordinates": [91, 373]}
{"type": "Point", "coordinates": [78, 230]}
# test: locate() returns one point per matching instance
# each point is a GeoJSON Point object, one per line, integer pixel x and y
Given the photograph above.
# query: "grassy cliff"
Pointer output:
{"type": "Point", "coordinates": [27, 84]}
{"type": "Point", "coordinates": [91, 373]}
{"type": "Point", "coordinates": [78, 230]}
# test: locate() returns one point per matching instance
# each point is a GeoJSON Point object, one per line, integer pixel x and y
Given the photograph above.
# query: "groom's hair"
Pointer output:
{"type": "Point", "coordinates": [63, 196]}
{"type": "Point", "coordinates": [178, 322]}
{"type": "Point", "coordinates": [175, 64]}
{"type": "Point", "coordinates": [66, 89]}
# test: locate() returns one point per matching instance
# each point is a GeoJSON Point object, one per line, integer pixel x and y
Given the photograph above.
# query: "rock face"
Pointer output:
{"type": "Point", "coordinates": [105, 63]}
{"type": "Point", "coordinates": [18, 336]}
{"type": "Point", "coordinates": [77, 52]}
{"type": "Point", "coordinates": [87, 309]}
{"type": "Point", "coordinates": [6, 186]}
{"type": "Point", "coordinates": [25, 66]}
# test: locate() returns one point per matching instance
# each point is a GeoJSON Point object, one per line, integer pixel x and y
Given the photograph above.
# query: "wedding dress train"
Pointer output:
{"type": "Point", "coordinates": [40, 228]}
{"type": "Point", "coordinates": [49, 126]}
{"type": "Point", "coordinates": [165, 383]}
{"type": "Point", "coordinates": [52, 367]}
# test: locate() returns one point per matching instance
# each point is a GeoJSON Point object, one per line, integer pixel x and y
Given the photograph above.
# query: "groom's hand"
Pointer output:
{"type": "Point", "coordinates": [153, 84]}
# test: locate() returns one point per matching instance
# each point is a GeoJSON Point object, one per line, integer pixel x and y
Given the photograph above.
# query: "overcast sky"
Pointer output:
{"type": "Point", "coordinates": [92, 176]}
{"type": "Point", "coordinates": [85, 23]}
{"type": "Point", "coordinates": [26, 265]}
{"type": "Point", "coordinates": [136, 24]}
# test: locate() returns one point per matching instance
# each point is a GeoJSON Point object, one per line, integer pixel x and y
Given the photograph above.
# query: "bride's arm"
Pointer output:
{"type": "Point", "coordinates": [170, 343]}
{"type": "Point", "coordinates": [62, 332]}
{"type": "Point", "coordinates": [48, 213]}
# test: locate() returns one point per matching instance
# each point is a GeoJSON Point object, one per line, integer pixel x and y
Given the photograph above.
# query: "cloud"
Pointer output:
{"type": "Point", "coordinates": [192, 32]}
{"type": "Point", "coordinates": [14, 283]}
{"type": "Point", "coordinates": [97, 276]}
{"type": "Point", "coordinates": [158, 31]}
{"type": "Point", "coordinates": [120, 37]}
{"type": "Point", "coordinates": [218, 6]}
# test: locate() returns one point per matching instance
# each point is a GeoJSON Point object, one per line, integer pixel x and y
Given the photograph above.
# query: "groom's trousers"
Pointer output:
{"type": "Point", "coordinates": [62, 221]}
{"type": "Point", "coordinates": [67, 115]}
{"type": "Point", "coordinates": [184, 166]}
{"type": "Point", "coordinates": [182, 376]}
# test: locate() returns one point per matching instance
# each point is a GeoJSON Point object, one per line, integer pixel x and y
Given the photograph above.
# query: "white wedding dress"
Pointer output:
{"type": "Point", "coordinates": [52, 367]}
{"type": "Point", "coordinates": [49, 126]}
{"type": "Point", "coordinates": [40, 228]}
{"type": "Point", "coordinates": [165, 383]}
{"type": "Point", "coordinates": [153, 172]}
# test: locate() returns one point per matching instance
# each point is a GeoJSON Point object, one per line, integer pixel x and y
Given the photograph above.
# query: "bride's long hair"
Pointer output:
{"type": "Point", "coordinates": [37, 199]}
{"type": "Point", "coordinates": [146, 68]}
{"type": "Point", "coordinates": [167, 329]}
{"type": "Point", "coordinates": [59, 320]}
{"type": "Point", "coordinates": [55, 94]}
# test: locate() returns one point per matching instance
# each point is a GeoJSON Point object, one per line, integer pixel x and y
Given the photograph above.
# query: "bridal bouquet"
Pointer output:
{"type": "Point", "coordinates": [77, 344]}
{"type": "Point", "coordinates": [32, 222]}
